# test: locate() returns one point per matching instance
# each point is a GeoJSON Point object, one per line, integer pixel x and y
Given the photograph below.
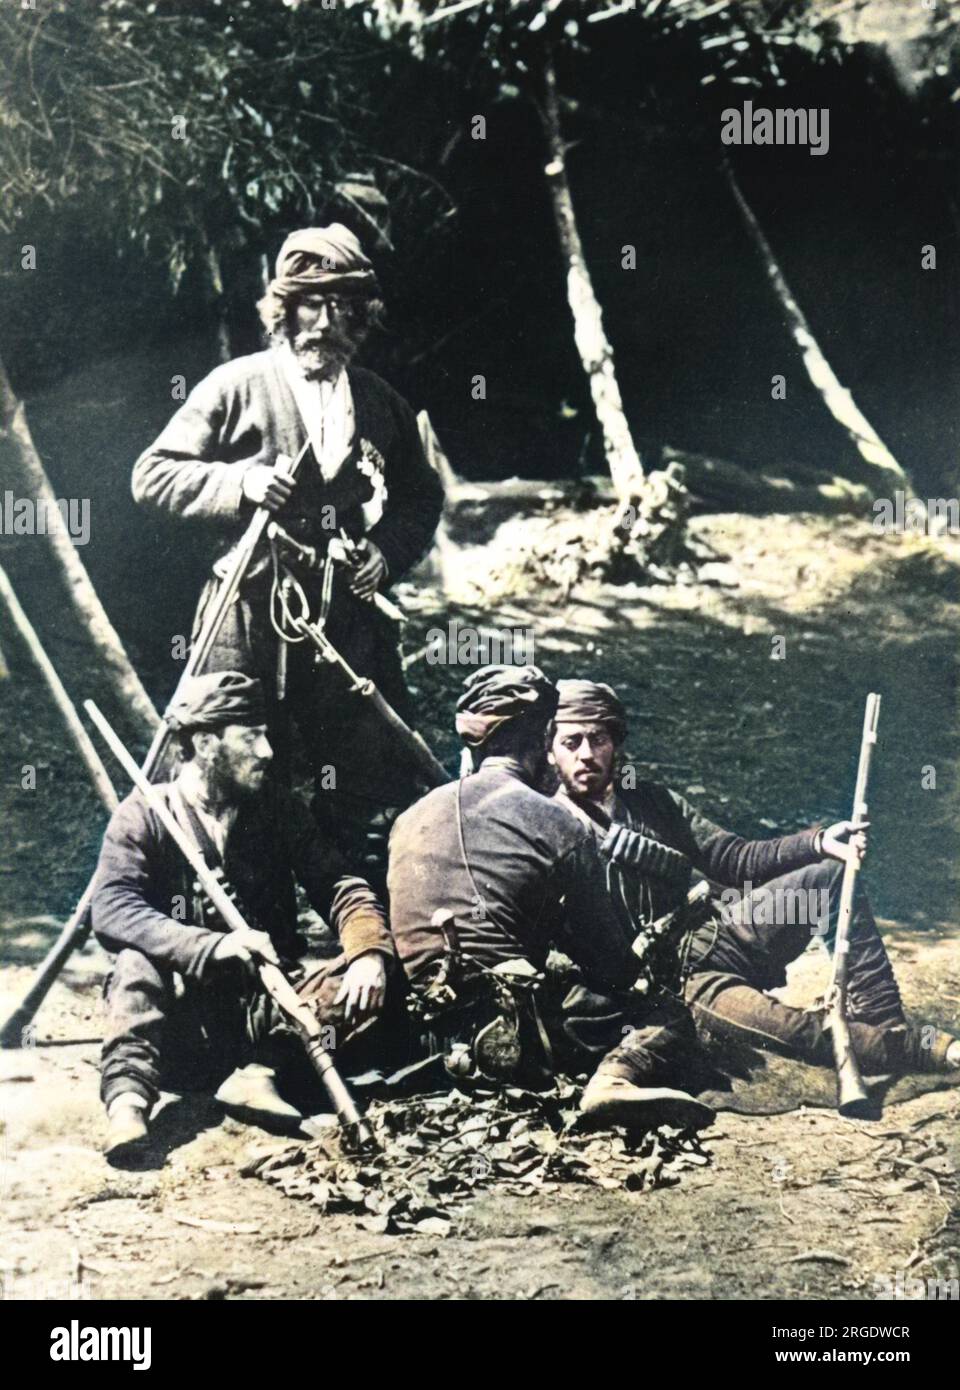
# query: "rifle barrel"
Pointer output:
{"type": "Point", "coordinates": [853, 1099]}
{"type": "Point", "coordinates": [272, 977]}
{"type": "Point", "coordinates": [414, 742]}
{"type": "Point", "coordinates": [77, 928]}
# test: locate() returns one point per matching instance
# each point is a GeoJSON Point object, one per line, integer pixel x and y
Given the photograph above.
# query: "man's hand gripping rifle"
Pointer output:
{"type": "Point", "coordinates": [356, 1129]}
{"type": "Point", "coordinates": [235, 568]}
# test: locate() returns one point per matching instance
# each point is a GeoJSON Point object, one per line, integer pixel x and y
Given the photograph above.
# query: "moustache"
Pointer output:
{"type": "Point", "coordinates": [330, 341]}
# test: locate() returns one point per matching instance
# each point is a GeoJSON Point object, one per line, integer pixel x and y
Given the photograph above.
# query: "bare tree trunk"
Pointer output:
{"type": "Point", "coordinates": [21, 465]}
{"type": "Point", "coordinates": [887, 472]}
{"type": "Point", "coordinates": [596, 352]}
{"type": "Point", "coordinates": [215, 272]}
{"type": "Point", "coordinates": [85, 746]}
{"type": "Point", "coordinates": [443, 548]}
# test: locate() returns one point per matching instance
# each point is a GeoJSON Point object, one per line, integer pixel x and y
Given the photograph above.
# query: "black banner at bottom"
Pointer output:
{"type": "Point", "coordinates": [178, 1337]}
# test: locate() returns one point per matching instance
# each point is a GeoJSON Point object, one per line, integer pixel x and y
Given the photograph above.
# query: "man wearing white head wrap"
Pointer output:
{"type": "Point", "coordinates": [365, 477]}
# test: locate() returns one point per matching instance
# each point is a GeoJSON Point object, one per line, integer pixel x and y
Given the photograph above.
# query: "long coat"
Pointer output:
{"type": "Point", "coordinates": [244, 413]}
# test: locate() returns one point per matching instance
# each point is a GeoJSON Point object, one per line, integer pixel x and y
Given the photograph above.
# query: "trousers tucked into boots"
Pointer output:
{"type": "Point", "coordinates": [736, 959]}
{"type": "Point", "coordinates": [163, 1033]}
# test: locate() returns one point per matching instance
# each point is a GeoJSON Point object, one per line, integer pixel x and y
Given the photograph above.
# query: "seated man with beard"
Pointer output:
{"type": "Point", "coordinates": [485, 876]}
{"type": "Point", "coordinates": [651, 840]}
{"type": "Point", "coordinates": [183, 1002]}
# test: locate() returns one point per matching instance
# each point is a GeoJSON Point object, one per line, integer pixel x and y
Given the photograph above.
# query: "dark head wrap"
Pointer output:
{"type": "Point", "coordinates": [589, 702]}
{"type": "Point", "coordinates": [323, 258]}
{"type": "Point", "coordinates": [494, 695]}
{"type": "Point", "coordinates": [215, 700]}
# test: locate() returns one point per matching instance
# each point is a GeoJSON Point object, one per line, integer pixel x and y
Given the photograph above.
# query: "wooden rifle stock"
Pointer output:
{"type": "Point", "coordinates": [853, 1099]}
{"type": "Point", "coordinates": [200, 651]}
{"type": "Point", "coordinates": [77, 928]}
{"type": "Point", "coordinates": [271, 976]}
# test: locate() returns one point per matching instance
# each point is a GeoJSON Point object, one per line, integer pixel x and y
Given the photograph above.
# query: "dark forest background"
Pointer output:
{"type": "Point", "coordinates": [470, 262]}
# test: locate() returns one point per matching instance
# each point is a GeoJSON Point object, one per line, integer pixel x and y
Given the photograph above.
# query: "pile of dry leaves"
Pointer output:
{"type": "Point", "coordinates": [437, 1150]}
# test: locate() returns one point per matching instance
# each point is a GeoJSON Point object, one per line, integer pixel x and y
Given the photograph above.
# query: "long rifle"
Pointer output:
{"type": "Point", "coordinates": [77, 927]}
{"type": "Point", "coordinates": [271, 976]}
{"type": "Point", "coordinates": [63, 947]}
{"type": "Point", "coordinates": [242, 559]}
{"type": "Point", "coordinates": [413, 742]}
{"type": "Point", "coordinates": [853, 1099]}
{"type": "Point", "coordinates": [98, 773]}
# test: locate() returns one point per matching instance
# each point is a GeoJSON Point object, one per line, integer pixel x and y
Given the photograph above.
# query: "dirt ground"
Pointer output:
{"type": "Point", "coordinates": [799, 1205]}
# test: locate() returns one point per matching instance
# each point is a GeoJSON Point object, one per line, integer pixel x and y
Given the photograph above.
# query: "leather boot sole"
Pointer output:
{"type": "Point", "coordinates": [650, 1108]}
{"type": "Point", "coordinates": [263, 1119]}
{"type": "Point", "coordinates": [125, 1149]}
{"type": "Point", "coordinates": [258, 1105]}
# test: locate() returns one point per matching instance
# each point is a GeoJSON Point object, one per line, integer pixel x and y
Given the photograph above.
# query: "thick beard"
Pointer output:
{"type": "Point", "coordinates": [323, 362]}
{"type": "Point", "coordinates": [224, 784]}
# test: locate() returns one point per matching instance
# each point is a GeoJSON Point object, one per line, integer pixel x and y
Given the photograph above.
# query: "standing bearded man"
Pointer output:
{"type": "Point", "coordinates": [365, 494]}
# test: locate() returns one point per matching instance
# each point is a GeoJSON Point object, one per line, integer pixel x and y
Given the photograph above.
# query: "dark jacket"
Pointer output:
{"type": "Point", "coordinates": [244, 413]}
{"type": "Point", "coordinates": [537, 879]}
{"type": "Point", "coordinates": [726, 859]}
{"type": "Point", "coordinates": [143, 895]}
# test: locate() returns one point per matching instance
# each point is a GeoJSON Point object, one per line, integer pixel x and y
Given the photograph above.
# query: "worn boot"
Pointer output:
{"type": "Point", "coordinates": [915, 1047]}
{"type": "Point", "coordinates": [250, 1094]}
{"type": "Point", "coordinates": [930, 1049]}
{"type": "Point", "coordinates": [127, 1127]}
{"type": "Point", "coordinates": [619, 1101]}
